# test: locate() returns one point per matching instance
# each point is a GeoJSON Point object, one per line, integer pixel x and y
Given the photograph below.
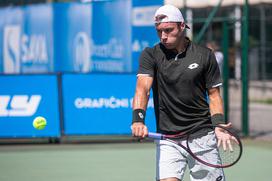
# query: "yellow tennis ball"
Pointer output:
{"type": "Point", "coordinates": [39, 123]}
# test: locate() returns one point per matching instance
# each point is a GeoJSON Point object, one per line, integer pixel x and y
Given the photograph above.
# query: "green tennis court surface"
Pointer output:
{"type": "Point", "coordinates": [114, 162]}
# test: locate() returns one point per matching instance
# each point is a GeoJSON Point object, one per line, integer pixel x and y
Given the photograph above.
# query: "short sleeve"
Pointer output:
{"type": "Point", "coordinates": [212, 73]}
{"type": "Point", "coordinates": [146, 62]}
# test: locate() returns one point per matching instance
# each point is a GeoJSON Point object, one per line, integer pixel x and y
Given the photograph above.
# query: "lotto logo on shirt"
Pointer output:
{"type": "Point", "coordinates": [193, 66]}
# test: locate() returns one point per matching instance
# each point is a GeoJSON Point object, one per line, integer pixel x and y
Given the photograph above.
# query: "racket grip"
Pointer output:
{"type": "Point", "coordinates": [156, 136]}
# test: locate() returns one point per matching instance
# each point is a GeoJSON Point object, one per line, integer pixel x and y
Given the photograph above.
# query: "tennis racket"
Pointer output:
{"type": "Point", "coordinates": [229, 152]}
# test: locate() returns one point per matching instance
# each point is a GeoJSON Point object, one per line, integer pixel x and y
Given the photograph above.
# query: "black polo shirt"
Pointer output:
{"type": "Point", "coordinates": [180, 85]}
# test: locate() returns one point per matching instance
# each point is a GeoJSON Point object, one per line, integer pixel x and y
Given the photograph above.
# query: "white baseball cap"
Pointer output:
{"type": "Point", "coordinates": [168, 13]}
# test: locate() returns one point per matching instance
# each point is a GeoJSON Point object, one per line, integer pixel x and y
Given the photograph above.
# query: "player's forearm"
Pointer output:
{"type": "Point", "coordinates": [141, 97]}
{"type": "Point", "coordinates": [216, 109]}
{"type": "Point", "coordinates": [139, 107]}
{"type": "Point", "coordinates": [140, 100]}
{"type": "Point", "coordinates": [142, 92]}
{"type": "Point", "coordinates": [216, 105]}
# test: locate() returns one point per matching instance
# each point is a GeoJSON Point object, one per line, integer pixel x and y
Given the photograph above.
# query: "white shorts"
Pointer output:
{"type": "Point", "coordinates": [172, 160]}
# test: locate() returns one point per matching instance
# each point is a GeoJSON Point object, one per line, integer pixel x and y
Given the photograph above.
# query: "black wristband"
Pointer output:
{"type": "Point", "coordinates": [218, 119]}
{"type": "Point", "coordinates": [138, 116]}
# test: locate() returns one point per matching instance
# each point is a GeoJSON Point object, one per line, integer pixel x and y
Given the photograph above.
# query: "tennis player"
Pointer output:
{"type": "Point", "coordinates": [181, 74]}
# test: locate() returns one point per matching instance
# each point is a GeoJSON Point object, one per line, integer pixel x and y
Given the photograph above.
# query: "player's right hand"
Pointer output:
{"type": "Point", "coordinates": [138, 129]}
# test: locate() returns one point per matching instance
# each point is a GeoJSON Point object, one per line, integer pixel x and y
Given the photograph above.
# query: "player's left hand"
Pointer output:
{"type": "Point", "coordinates": [224, 137]}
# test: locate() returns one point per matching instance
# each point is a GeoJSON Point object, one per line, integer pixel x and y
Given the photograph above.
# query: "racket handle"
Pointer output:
{"type": "Point", "coordinates": [156, 136]}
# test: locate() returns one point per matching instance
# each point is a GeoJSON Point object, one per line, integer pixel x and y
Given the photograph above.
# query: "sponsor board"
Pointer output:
{"type": "Point", "coordinates": [24, 97]}
{"type": "Point", "coordinates": [100, 104]}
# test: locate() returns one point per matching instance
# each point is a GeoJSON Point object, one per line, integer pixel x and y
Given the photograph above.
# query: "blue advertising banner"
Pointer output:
{"type": "Point", "coordinates": [73, 26]}
{"type": "Point", "coordinates": [24, 97]}
{"type": "Point", "coordinates": [76, 37]}
{"type": "Point", "coordinates": [37, 44]}
{"type": "Point", "coordinates": [100, 104]}
{"type": "Point", "coordinates": [143, 30]}
{"type": "Point", "coordinates": [111, 36]}
{"type": "Point", "coordinates": [27, 39]}
{"type": "Point", "coordinates": [93, 37]}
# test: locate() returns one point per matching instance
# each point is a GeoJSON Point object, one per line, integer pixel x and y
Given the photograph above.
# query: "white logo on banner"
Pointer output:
{"type": "Point", "coordinates": [19, 105]}
{"type": "Point", "coordinates": [30, 49]}
{"type": "Point", "coordinates": [112, 49]}
{"type": "Point", "coordinates": [143, 16]}
{"type": "Point", "coordinates": [111, 103]}
{"type": "Point", "coordinates": [82, 54]}
{"type": "Point", "coordinates": [34, 49]}
{"type": "Point", "coordinates": [87, 52]}
{"type": "Point", "coordinates": [11, 49]}
{"type": "Point", "coordinates": [138, 45]}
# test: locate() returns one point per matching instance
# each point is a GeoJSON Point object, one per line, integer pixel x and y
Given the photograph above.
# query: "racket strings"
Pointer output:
{"type": "Point", "coordinates": [229, 155]}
